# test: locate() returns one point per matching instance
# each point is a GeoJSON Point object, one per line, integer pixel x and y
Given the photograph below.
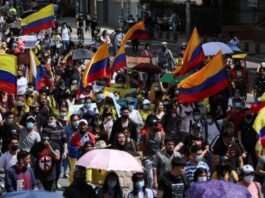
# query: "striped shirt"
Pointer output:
{"type": "Point", "coordinates": [190, 168]}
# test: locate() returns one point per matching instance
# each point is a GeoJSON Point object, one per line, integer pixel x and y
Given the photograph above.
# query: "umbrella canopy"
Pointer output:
{"type": "Point", "coordinates": [169, 78]}
{"type": "Point", "coordinates": [217, 189]}
{"type": "Point", "coordinates": [110, 159]}
{"type": "Point", "coordinates": [234, 48]}
{"type": "Point", "coordinates": [211, 48]}
{"type": "Point", "coordinates": [147, 68]}
{"type": "Point", "coordinates": [32, 194]}
{"type": "Point", "coordinates": [82, 53]}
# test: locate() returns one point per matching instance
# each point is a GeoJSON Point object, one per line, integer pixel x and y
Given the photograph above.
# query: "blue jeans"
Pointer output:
{"type": "Point", "coordinates": [65, 164]}
{"type": "Point", "coordinates": [66, 45]}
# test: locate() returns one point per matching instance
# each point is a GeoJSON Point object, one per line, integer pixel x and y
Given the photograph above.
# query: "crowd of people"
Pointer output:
{"type": "Point", "coordinates": [44, 132]}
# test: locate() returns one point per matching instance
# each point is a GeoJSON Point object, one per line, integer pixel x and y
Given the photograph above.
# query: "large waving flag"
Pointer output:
{"type": "Point", "coordinates": [99, 65]}
{"type": "Point", "coordinates": [259, 124]}
{"type": "Point", "coordinates": [38, 74]}
{"type": "Point", "coordinates": [41, 20]}
{"type": "Point", "coordinates": [210, 80]}
{"type": "Point", "coordinates": [68, 58]}
{"type": "Point", "coordinates": [140, 35]}
{"type": "Point", "coordinates": [119, 60]}
{"type": "Point", "coordinates": [132, 30]}
{"type": "Point", "coordinates": [193, 55]}
{"type": "Point", "coordinates": [8, 73]}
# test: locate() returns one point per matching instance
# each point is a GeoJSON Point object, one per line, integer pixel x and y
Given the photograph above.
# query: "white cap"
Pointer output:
{"type": "Point", "coordinates": [248, 169]}
{"type": "Point", "coordinates": [164, 43]}
{"type": "Point", "coordinates": [263, 64]}
{"type": "Point", "coordinates": [83, 120]}
{"type": "Point", "coordinates": [145, 101]}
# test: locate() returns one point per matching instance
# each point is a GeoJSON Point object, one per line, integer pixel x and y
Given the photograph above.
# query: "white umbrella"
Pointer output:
{"type": "Point", "coordinates": [211, 48]}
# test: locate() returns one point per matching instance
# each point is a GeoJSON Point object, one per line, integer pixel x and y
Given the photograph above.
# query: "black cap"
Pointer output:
{"type": "Point", "coordinates": [195, 148]}
{"type": "Point", "coordinates": [177, 162]}
{"type": "Point", "coordinates": [228, 133]}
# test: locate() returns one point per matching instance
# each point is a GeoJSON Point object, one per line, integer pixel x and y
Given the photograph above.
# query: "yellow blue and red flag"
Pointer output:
{"type": "Point", "coordinates": [98, 67]}
{"type": "Point", "coordinates": [119, 60]}
{"type": "Point", "coordinates": [41, 20]}
{"type": "Point", "coordinates": [131, 31]}
{"type": "Point", "coordinates": [8, 73]}
{"type": "Point", "coordinates": [38, 74]}
{"type": "Point", "coordinates": [259, 123]}
{"type": "Point", "coordinates": [207, 82]}
{"type": "Point", "coordinates": [193, 55]}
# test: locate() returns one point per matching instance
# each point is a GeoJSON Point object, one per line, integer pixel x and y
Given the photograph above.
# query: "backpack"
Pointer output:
{"type": "Point", "coordinates": [207, 134]}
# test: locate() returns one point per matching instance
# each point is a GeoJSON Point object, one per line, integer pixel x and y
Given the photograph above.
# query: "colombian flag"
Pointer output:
{"type": "Point", "coordinates": [41, 20]}
{"type": "Point", "coordinates": [140, 34]}
{"type": "Point", "coordinates": [259, 124]}
{"type": "Point", "coordinates": [38, 74]}
{"type": "Point", "coordinates": [132, 30]}
{"type": "Point", "coordinates": [99, 65]}
{"type": "Point", "coordinates": [193, 55]}
{"type": "Point", "coordinates": [210, 80]}
{"type": "Point", "coordinates": [119, 60]}
{"type": "Point", "coordinates": [68, 58]}
{"type": "Point", "coordinates": [8, 73]}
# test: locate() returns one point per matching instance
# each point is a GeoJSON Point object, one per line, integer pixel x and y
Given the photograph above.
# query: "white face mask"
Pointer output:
{"type": "Point", "coordinates": [203, 178]}
{"type": "Point", "coordinates": [249, 178]}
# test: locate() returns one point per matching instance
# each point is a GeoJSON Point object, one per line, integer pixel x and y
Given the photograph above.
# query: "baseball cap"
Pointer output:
{"type": "Point", "coordinates": [164, 43]}
{"type": "Point", "coordinates": [146, 101]}
{"type": "Point", "coordinates": [30, 118]}
{"type": "Point", "coordinates": [83, 120]}
{"type": "Point", "coordinates": [248, 169]}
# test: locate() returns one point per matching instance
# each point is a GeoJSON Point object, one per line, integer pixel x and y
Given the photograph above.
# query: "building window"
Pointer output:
{"type": "Point", "coordinates": [253, 3]}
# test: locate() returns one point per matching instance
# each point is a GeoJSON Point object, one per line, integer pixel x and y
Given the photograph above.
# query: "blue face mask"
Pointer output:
{"type": "Point", "coordinates": [87, 105]}
{"type": "Point", "coordinates": [131, 107]}
{"type": "Point", "coordinates": [146, 106]}
{"type": "Point", "coordinates": [75, 123]}
{"type": "Point", "coordinates": [198, 158]}
{"type": "Point", "coordinates": [99, 96]}
{"type": "Point", "coordinates": [29, 125]}
{"type": "Point", "coordinates": [139, 185]}
{"type": "Point", "coordinates": [238, 105]}
{"type": "Point", "coordinates": [112, 183]}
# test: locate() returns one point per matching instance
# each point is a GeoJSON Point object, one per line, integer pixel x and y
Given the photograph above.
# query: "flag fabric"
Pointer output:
{"type": "Point", "coordinates": [99, 65]}
{"type": "Point", "coordinates": [68, 58]}
{"type": "Point", "coordinates": [193, 55]}
{"type": "Point", "coordinates": [8, 73]}
{"type": "Point", "coordinates": [259, 123]}
{"type": "Point", "coordinates": [140, 35]}
{"type": "Point", "coordinates": [210, 80]}
{"type": "Point", "coordinates": [119, 60]}
{"type": "Point", "coordinates": [131, 31]}
{"type": "Point", "coordinates": [41, 20]}
{"type": "Point", "coordinates": [38, 74]}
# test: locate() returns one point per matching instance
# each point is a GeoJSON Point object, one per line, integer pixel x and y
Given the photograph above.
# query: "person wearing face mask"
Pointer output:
{"type": "Point", "coordinates": [107, 122]}
{"type": "Point", "coordinates": [22, 83]}
{"type": "Point", "coordinates": [97, 127]}
{"type": "Point", "coordinates": [147, 52]}
{"type": "Point", "coordinates": [200, 175]}
{"type": "Point", "coordinates": [20, 176]}
{"type": "Point", "coordinates": [6, 130]}
{"type": "Point", "coordinates": [79, 188]}
{"type": "Point", "coordinates": [27, 135]}
{"type": "Point", "coordinates": [111, 187]}
{"type": "Point", "coordinates": [87, 112]}
{"type": "Point", "coordinates": [247, 138]}
{"type": "Point", "coordinates": [123, 122]}
{"type": "Point", "coordinates": [9, 158]}
{"type": "Point", "coordinates": [100, 100]}
{"type": "Point", "coordinates": [224, 171]}
{"type": "Point", "coordinates": [146, 109]}
{"type": "Point", "coordinates": [247, 180]}
{"type": "Point", "coordinates": [163, 158]}
{"type": "Point", "coordinates": [197, 119]}
{"type": "Point", "coordinates": [195, 161]}
{"type": "Point", "coordinates": [134, 114]}
{"type": "Point", "coordinates": [139, 187]}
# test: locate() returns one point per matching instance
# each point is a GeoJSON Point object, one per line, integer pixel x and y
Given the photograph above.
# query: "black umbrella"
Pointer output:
{"type": "Point", "coordinates": [27, 13]}
{"type": "Point", "coordinates": [82, 53]}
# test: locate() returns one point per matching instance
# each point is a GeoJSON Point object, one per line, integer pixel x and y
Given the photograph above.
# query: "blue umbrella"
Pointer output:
{"type": "Point", "coordinates": [217, 189]}
{"type": "Point", "coordinates": [32, 194]}
{"type": "Point", "coordinates": [234, 48]}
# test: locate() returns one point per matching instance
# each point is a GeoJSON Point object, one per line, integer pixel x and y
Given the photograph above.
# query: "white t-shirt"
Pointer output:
{"type": "Point", "coordinates": [135, 116]}
{"type": "Point", "coordinates": [148, 194]}
{"type": "Point", "coordinates": [65, 34]}
{"type": "Point", "coordinates": [26, 140]}
{"type": "Point", "coordinates": [7, 160]}
{"type": "Point", "coordinates": [22, 85]}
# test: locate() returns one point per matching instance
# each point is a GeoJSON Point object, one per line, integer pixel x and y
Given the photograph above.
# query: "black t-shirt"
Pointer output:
{"type": "Point", "coordinates": [173, 187]}
{"type": "Point", "coordinates": [44, 168]}
{"type": "Point", "coordinates": [5, 134]}
{"type": "Point", "coordinates": [80, 191]}
{"type": "Point", "coordinates": [233, 152]}
{"type": "Point", "coordinates": [248, 135]}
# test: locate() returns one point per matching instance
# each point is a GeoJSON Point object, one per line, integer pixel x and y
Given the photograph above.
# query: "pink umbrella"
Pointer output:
{"type": "Point", "coordinates": [110, 159]}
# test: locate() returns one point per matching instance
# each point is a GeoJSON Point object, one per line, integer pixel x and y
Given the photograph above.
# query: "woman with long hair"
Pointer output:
{"type": "Point", "coordinates": [111, 187]}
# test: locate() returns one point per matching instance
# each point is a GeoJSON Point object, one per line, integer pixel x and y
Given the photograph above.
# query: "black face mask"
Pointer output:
{"type": "Point", "coordinates": [14, 147]}
{"type": "Point", "coordinates": [156, 130]}
{"type": "Point", "coordinates": [125, 116]}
